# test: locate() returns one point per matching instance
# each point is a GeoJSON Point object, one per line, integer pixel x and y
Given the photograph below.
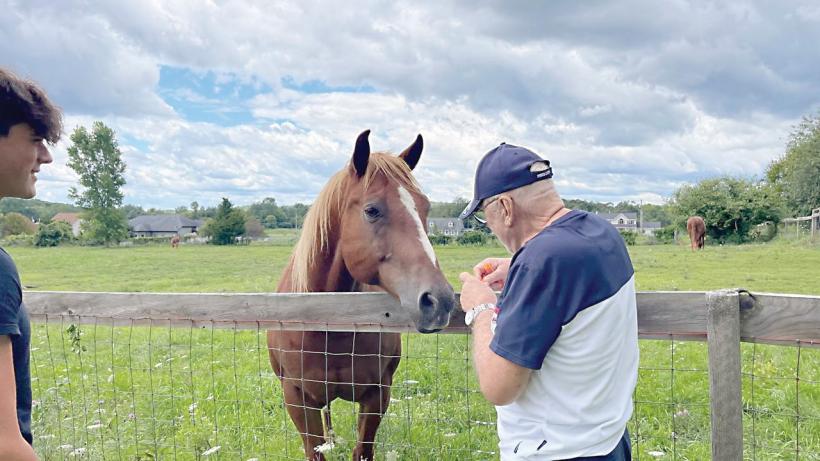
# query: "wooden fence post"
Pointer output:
{"type": "Point", "coordinates": [723, 339]}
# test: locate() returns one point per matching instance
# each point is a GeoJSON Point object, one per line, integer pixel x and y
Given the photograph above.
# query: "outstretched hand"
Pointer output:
{"type": "Point", "coordinates": [475, 292]}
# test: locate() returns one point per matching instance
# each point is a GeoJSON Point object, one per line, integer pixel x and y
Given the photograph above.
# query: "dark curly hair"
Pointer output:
{"type": "Point", "coordinates": [22, 101]}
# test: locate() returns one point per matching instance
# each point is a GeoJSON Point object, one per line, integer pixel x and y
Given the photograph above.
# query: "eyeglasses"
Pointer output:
{"type": "Point", "coordinates": [480, 215]}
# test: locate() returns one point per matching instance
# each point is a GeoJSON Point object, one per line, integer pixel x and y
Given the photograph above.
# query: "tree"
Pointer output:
{"type": "Point", "coordinates": [730, 207]}
{"type": "Point", "coordinates": [267, 212]}
{"type": "Point", "coordinates": [132, 211]}
{"type": "Point", "coordinates": [228, 224]}
{"type": "Point", "coordinates": [448, 209]}
{"type": "Point", "coordinates": [98, 162]}
{"type": "Point", "coordinates": [796, 175]}
{"type": "Point", "coordinates": [254, 228]}
{"type": "Point", "coordinates": [16, 224]}
{"type": "Point", "coordinates": [194, 210]}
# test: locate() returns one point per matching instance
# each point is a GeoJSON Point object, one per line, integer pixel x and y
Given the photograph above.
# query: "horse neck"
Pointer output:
{"type": "Point", "coordinates": [328, 273]}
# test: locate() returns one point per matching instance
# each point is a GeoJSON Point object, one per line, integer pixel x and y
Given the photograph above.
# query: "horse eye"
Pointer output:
{"type": "Point", "coordinates": [372, 213]}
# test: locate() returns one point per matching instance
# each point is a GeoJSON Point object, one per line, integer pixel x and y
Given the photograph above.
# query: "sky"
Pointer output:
{"type": "Point", "coordinates": [244, 99]}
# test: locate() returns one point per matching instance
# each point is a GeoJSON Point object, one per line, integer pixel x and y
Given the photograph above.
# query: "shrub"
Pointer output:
{"type": "Point", "coordinates": [666, 234]}
{"type": "Point", "coordinates": [472, 238]}
{"type": "Point", "coordinates": [19, 240]}
{"type": "Point", "coordinates": [629, 237]}
{"type": "Point", "coordinates": [15, 223]}
{"type": "Point", "coordinates": [52, 234]}
{"type": "Point", "coordinates": [440, 239]}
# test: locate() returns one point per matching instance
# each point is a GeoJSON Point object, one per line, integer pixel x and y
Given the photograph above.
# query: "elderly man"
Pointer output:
{"type": "Point", "coordinates": [557, 353]}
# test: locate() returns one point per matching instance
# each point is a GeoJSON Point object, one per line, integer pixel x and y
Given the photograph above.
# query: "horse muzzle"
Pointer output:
{"type": "Point", "coordinates": [434, 308]}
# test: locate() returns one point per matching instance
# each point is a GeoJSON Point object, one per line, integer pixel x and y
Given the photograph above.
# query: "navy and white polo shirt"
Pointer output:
{"type": "Point", "coordinates": [568, 312]}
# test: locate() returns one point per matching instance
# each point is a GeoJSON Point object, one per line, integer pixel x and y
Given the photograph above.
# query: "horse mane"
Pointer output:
{"type": "Point", "coordinates": [325, 212]}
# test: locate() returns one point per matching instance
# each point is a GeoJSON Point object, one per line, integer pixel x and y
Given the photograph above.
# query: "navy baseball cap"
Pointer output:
{"type": "Point", "coordinates": [504, 168]}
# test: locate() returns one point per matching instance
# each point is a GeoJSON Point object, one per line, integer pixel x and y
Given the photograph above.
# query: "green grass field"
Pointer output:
{"type": "Point", "coordinates": [163, 393]}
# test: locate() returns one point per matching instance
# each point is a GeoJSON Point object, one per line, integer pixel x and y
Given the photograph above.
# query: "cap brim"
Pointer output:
{"type": "Point", "coordinates": [470, 209]}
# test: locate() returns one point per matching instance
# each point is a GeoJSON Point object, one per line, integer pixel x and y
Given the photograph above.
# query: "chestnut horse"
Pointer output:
{"type": "Point", "coordinates": [696, 229]}
{"type": "Point", "coordinates": [365, 232]}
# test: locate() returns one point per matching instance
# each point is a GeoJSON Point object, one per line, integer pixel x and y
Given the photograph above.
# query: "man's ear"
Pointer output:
{"type": "Point", "coordinates": [507, 210]}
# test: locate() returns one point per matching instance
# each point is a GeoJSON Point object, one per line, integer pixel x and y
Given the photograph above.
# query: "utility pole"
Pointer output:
{"type": "Point", "coordinates": [640, 213]}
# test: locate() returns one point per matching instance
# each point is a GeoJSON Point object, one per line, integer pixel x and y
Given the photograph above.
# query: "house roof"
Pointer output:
{"type": "Point", "coordinates": [162, 223]}
{"type": "Point", "coordinates": [70, 218]}
{"type": "Point", "coordinates": [611, 216]}
{"type": "Point", "coordinates": [652, 225]}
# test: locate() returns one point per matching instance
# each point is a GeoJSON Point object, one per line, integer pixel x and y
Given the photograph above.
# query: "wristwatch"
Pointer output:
{"type": "Point", "coordinates": [473, 313]}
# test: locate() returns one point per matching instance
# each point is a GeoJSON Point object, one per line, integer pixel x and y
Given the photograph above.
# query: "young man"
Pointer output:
{"type": "Point", "coordinates": [27, 120]}
{"type": "Point", "coordinates": [558, 352]}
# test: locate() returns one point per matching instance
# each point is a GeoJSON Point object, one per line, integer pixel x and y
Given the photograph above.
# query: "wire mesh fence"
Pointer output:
{"type": "Point", "coordinates": [110, 389]}
{"type": "Point", "coordinates": [170, 392]}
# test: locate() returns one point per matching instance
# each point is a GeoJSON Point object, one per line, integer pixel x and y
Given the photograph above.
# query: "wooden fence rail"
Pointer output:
{"type": "Point", "coordinates": [722, 318]}
{"type": "Point", "coordinates": [814, 223]}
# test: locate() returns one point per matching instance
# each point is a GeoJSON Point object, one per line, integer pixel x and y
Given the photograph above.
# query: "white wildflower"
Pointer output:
{"type": "Point", "coordinates": [324, 448]}
{"type": "Point", "coordinates": [656, 454]}
{"type": "Point", "coordinates": [211, 450]}
{"type": "Point", "coordinates": [95, 426]}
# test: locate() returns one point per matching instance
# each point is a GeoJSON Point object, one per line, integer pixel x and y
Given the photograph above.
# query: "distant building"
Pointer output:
{"type": "Point", "coordinates": [163, 225]}
{"type": "Point", "coordinates": [650, 227]}
{"type": "Point", "coordinates": [73, 219]}
{"type": "Point", "coordinates": [624, 220]}
{"type": "Point", "coordinates": [451, 227]}
{"type": "Point", "coordinates": [628, 220]}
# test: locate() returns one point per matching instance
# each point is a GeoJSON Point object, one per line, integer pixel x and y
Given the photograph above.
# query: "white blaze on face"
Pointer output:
{"type": "Point", "coordinates": [410, 204]}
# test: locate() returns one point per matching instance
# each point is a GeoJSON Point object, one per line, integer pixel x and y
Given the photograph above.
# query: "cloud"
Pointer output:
{"type": "Point", "coordinates": [251, 99]}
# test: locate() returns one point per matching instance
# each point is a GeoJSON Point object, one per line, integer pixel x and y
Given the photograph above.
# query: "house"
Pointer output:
{"type": "Point", "coordinates": [73, 219]}
{"type": "Point", "coordinates": [452, 227]}
{"type": "Point", "coordinates": [163, 225]}
{"type": "Point", "coordinates": [624, 220]}
{"type": "Point", "coordinates": [629, 221]}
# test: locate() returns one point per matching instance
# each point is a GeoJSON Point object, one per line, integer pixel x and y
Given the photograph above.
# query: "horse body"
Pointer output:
{"type": "Point", "coordinates": [364, 233]}
{"type": "Point", "coordinates": [696, 228]}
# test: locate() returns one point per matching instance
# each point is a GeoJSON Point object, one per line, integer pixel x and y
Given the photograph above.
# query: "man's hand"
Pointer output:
{"type": "Point", "coordinates": [475, 292]}
{"type": "Point", "coordinates": [493, 272]}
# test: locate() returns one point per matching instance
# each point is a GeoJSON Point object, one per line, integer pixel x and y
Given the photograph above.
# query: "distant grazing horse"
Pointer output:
{"type": "Point", "coordinates": [696, 229]}
{"type": "Point", "coordinates": [365, 232]}
{"type": "Point", "coordinates": [175, 241]}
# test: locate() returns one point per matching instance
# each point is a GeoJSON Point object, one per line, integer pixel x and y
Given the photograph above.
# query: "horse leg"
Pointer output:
{"type": "Point", "coordinates": [371, 409]}
{"type": "Point", "coordinates": [307, 417]}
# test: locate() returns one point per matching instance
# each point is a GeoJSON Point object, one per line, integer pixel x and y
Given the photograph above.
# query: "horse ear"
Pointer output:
{"type": "Point", "coordinates": [361, 153]}
{"type": "Point", "coordinates": [412, 154]}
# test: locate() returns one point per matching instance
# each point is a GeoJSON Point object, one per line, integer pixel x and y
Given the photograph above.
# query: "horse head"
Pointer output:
{"type": "Point", "coordinates": [384, 239]}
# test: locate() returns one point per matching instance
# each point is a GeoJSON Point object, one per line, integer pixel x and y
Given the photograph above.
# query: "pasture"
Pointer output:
{"type": "Point", "coordinates": [143, 393]}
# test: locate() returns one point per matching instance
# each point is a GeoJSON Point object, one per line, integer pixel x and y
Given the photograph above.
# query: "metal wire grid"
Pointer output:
{"type": "Point", "coordinates": [165, 392]}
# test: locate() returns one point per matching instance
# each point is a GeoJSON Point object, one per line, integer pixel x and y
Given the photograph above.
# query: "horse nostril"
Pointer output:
{"type": "Point", "coordinates": [427, 301]}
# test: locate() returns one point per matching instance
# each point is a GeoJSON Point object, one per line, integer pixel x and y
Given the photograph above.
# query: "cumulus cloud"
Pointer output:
{"type": "Point", "coordinates": [250, 99]}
